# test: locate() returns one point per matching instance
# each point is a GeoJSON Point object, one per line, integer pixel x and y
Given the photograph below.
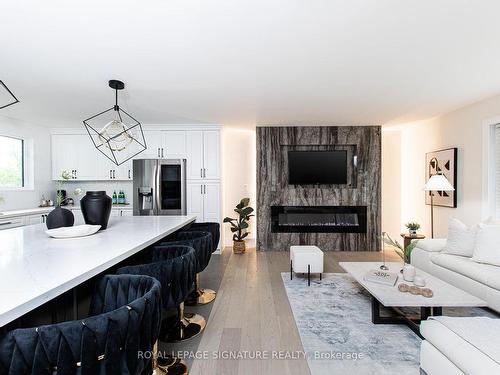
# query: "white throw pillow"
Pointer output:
{"type": "Point", "coordinates": [487, 248]}
{"type": "Point", "coordinates": [461, 239]}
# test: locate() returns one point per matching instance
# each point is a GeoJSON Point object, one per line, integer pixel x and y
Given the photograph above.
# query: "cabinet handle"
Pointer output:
{"type": "Point", "coordinates": [201, 172]}
{"type": "Point", "coordinates": [6, 223]}
{"type": "Point", "coordinates": [158, 152]}
{"type": "Point", "coordinates": [129, 174]}
{"type": "Point", "coordinates": [114, 174]}
{"type": "Point", "coordinates": [204, 189]}
{"type": "Point", "coordinates": [204, 172]}
{"type": "Point", "coordinates": [110, 174]}
{"type": "Point", "coordinates": [201, 189]}
{"type": "Point", "coordinates": [75, 174]}
{"type": "Point", "coordinates": [162, 152]}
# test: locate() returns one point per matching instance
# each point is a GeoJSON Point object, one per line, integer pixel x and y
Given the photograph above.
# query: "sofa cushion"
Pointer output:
{"type": "Point", "coordinates": [487, 249]}
{"type": "Point", "coordinates": [470, 343]}
{"type": "Point", "coordinates": [482, 273]}
{"type": "Point", "coordinates": [461, 239]}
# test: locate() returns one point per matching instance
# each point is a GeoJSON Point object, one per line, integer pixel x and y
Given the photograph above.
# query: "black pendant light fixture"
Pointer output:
{"type": "Point", "coordinates": [6, 96]}
{"type": "Point", "coordinates": [114, 132]}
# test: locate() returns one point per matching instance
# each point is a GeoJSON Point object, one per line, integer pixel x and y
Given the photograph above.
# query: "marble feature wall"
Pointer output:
{"type": "Point", "coordinates": [363, 188]}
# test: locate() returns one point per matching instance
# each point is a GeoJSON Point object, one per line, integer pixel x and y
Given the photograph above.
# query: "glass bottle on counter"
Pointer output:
{"type": "Point", "coordinates": [115, 198]}
{"type": "Point", "coordinates": [120, 197]}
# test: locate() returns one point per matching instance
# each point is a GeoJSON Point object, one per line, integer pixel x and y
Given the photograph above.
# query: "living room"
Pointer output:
{"type": "Point", "coordinates": [293, 188]}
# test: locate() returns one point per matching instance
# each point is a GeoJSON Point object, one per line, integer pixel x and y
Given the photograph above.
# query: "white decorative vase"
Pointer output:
{"type": "Point", "coordinates": [409, 272]}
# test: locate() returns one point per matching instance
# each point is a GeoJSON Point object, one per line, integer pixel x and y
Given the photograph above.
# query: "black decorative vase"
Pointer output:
{"type": "Point", "coordinates": [96, 208]}
{"type": "Point", "coordinates": [60, 217]}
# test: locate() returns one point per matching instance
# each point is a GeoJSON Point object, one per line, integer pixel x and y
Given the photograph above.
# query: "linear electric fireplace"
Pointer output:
{"type": "Point", "coordinates": [318, 219]}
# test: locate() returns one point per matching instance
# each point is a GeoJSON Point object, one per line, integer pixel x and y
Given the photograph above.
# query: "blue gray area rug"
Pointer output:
{"type": "Point", "coordinates": [333, 317]}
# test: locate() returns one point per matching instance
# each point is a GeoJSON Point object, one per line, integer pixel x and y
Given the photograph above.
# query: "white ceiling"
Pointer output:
{"type": "Point", "coordinates": [239, 62]}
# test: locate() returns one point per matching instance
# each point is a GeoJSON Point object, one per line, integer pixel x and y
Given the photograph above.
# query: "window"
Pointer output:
{"type": "Point", "coordinates": [11, 162]}
{"type": "Point", "coordinates": [497, 171]}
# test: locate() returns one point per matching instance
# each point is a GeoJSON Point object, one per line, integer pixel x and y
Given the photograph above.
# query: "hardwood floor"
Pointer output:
{"type": "Point", "coordinates": [251, 313]}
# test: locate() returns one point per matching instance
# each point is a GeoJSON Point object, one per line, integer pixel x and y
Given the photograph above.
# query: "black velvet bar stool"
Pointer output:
{"type": "Point", "coordinates": [124, 321]}
{"type": "Point", "coordinates": [175, 267]}
{"type": "Point", "coordinates": [212, 228]}
{"type": "Point", "coordinates": [202, 244]}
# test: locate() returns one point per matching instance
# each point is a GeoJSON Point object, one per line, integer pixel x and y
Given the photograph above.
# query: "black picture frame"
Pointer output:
{"type": "Point", "coordinates": [447, 164]}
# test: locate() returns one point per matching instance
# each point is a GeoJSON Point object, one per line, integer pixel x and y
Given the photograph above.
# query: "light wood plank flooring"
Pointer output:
{"type": "Point", "coordinates": [252, 313]}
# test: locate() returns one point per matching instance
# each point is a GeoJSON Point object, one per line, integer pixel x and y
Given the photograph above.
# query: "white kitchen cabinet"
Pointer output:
{"type": "Point", "coordinates": [211, 154]}
{"type": "Point", "coordinates": [12, 222]}
{"type": "Point", "coordinates": [203, 153]}
{"type": "Point", "coordinates": [35, 219]}
{"type": "Point", "coordinates": [75, 153]}
{"type": "Point", "coordinates": [203, 200]}
{"type": "Point", "coordinates": [194, 152]}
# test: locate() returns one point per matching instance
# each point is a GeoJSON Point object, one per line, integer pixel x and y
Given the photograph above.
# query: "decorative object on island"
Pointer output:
{"type": "Point", "coordinates": [438, 183]}
{"type": "Point", "coordinates": [240, 225]}
{"type": "Point", "coordinates": [6, 96]}
{"type": "Point", "coordinates": [121, 138]}
{"type": "Point", "coordinates": [403, 252]}
{"type": "Point", "coordinates": [96, 208]}
{"type": "Point", "coordinates": [412, 227]}
{"type": "Point", "coordinates": [61, 217]}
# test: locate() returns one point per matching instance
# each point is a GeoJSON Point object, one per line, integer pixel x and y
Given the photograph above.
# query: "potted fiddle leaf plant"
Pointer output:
{"type": "Point", "coordinates": [240, 225]}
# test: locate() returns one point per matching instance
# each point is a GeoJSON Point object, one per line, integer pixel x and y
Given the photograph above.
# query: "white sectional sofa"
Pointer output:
{"type": "Point", "coordinates": [480, 280]}
{"type": "Point", "coordinates": [458, 346]}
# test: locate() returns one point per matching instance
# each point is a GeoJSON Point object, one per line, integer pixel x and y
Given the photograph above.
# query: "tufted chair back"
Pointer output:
{"type": "Point", "coordinates": [212, 228]}
{"type": "Point", "coordinates": [127, 321]}
{"type": "Point", "coordinates": [175, 267]}
{"type": "Point", "coordinates": [201, 242]}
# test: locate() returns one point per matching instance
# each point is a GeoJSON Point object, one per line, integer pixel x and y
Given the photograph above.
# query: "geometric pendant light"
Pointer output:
{"type": "Point", "coordinates": [6, 96]}
{"type": "Point", "coordinates": [114, 132]}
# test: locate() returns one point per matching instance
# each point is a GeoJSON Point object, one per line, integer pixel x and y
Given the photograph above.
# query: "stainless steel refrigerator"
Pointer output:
{"type": "Point", "coordinates": [159, 187]}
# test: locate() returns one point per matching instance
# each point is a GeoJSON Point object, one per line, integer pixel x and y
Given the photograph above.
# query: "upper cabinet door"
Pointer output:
{"type": "Point", "coordinates": [154, 144]}
{"type": "Point", "coordinates": [194, 151]}
{"type": "Point", "coordinates": [211, 154]}
{"type": "Point", "coordinates": [87, 157]}
{"type": "Point", "coordinates": [63, 155]}
{"type": "Point", "coordinates": [174, 144]}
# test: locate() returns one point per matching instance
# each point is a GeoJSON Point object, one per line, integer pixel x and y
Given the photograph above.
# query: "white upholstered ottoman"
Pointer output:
{"type": "Point", "coordinates": [306, 259]}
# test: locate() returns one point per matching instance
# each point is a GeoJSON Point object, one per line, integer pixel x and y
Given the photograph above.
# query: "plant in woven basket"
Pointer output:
{"type": "Point", "coordinates": [240, 225]}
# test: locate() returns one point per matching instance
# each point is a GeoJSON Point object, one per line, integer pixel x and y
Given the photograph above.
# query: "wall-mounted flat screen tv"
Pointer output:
{"type": "Point", "coordinates": [317, 167]}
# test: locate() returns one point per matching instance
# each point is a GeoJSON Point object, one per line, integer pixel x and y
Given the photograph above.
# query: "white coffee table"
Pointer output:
{"type": "Point", "coordinates": [445, 295]}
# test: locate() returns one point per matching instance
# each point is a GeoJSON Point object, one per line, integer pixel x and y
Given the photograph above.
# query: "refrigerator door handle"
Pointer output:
{"type": "Point", "coordinates": [157, 187]}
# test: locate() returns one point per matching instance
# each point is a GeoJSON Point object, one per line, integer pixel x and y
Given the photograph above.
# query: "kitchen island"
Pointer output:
{"type": "Point", "coordinates": [35, 268]}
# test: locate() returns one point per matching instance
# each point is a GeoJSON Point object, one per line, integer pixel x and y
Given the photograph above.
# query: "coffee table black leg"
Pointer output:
{"type": "Point", "coordinates": [291, 270]}
{"type": "Point", "coordinates": [308, 275]}
{"type": "Point", "coordinates": [425, 312]}
{"type": "Point", "coordinates": [437, 311]}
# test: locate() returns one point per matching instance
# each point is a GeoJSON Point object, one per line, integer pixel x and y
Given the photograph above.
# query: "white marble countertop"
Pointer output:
{"type": "Point", "coordinates": [42, 210]}
{"type": "Point", "coordinates": [445, 295]}
{"type": "Point", "coordinates": [35, 268]}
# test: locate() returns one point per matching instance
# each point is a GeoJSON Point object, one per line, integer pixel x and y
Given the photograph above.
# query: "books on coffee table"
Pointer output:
{"type": "Point", "coordinates": [381, 277]}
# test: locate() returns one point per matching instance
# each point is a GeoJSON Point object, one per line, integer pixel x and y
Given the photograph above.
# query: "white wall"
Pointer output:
{"type": "Point", "coordinates": [391, 182]}
{"type": "Point", "coordinates": [463, 129]}
{"type": "Point", "coordinates": [39, 138]}
{"type": "Point", "coordinates": [238, 174]}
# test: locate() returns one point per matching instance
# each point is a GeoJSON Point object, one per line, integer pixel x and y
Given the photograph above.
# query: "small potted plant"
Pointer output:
{"type": "Point", "coordinates": [240, 225]}
{"type": "Point", "coordinates": [412, 227]}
